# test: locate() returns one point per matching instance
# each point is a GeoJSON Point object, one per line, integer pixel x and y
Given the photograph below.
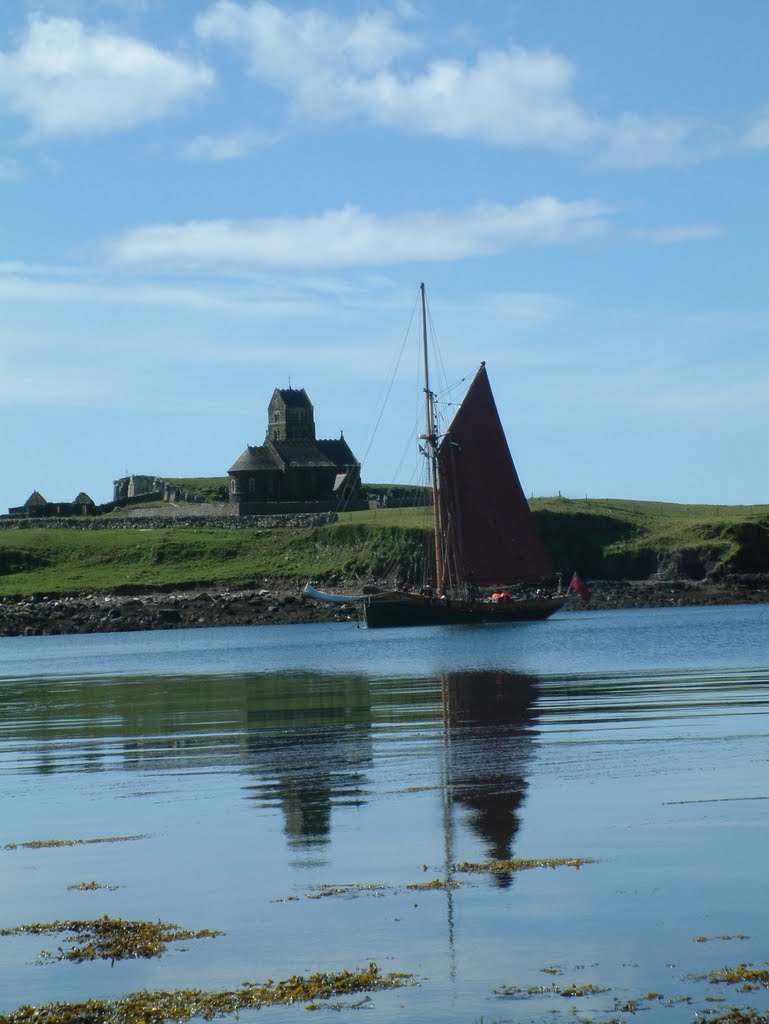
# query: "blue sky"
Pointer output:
{"type": "Point", "coordinates": [203, 201]}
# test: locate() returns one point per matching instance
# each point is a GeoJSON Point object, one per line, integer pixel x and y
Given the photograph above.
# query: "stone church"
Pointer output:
{"type": "Point", "coordinates": [293, 471]}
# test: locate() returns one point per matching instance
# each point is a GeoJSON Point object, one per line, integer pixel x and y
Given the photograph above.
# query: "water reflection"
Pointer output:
{"type": "Point", "coordinates": [312, 755]}
{"type": "Point", "coordinates": [489, 735]}
{"type": "Point", "coordinates": [303, 741]}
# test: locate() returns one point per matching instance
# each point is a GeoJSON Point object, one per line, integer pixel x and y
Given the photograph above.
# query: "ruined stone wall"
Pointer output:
{"type": "Point", "coordinates": [161, 521]}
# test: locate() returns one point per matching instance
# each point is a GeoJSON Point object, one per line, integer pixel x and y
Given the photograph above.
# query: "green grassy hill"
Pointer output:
{"type": "Point", "coordinates": [602, 539]}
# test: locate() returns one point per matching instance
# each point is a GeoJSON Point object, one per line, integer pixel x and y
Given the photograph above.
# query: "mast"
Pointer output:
{"type": "Point", "coordinates": [432, 443]}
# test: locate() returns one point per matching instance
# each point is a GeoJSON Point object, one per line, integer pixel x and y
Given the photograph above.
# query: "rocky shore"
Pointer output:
{"type": "Point", "coordinates": [42, 614]}
{"type": "Point", "coordinates": [130, 609]}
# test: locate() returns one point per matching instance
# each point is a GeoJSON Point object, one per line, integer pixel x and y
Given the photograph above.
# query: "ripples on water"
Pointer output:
{"type": "Point", "coordinates": [261, 764]}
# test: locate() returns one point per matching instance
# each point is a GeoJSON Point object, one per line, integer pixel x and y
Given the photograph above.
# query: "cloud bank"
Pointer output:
{"type": "Point", "coordinates": [331, 68]}
{"type": "Point", "coordinates": [350, 237]}
{"type": "Point", "coordinates": [67, 79]}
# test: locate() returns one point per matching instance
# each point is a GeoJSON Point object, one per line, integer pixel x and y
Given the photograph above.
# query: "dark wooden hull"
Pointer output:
{"type": "Point", "coordinates": [386, 610]}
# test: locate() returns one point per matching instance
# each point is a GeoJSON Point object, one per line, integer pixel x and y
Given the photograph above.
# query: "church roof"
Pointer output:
{"type": "Point", "coordinates": [303, 452]}
{"type": "Point", "coordinates": [338, 451]}
{"type": "Point", "coordinates": [255, 457]}
{"type": "Point", "coordinates": [83, 499]}
{"type": "Point", "coordinates": [295, 397]}
{"type": "Point", "coordinates": [35, 499]}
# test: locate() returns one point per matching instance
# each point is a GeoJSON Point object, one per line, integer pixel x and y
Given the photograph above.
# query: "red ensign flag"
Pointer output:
{"type": "Point", "coordinates": [579, 586]}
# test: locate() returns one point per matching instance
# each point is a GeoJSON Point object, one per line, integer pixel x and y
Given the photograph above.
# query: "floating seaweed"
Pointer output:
{"type": "Point", "coordinates": [91, 886]}
{"type": "Point", "coordinates": [746, 975]}
{"type": "Point", "coordinates": [740, 1015]}
{"type": "Point", "coordinates": [108, 938]}
{"type": "Point", "coordinates": [568, 991]}
{"type": "Point", "coordinates": [45, 844]}
{"type": "Point", "coordinates": [436, 883]}
{"type": "Point", "coordinates": [721, 938]}
{"type": "Point", "coordinates": [524, 865]}
{"type": "Point", "coordinates": [184, 1004]}
{"type": "Point", "coordinates": [346, 890]}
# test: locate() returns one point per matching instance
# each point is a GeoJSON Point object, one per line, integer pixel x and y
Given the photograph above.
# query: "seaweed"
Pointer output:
{"type": "Point", "coordinates": [112, 939]}
{"type": "Point", "coordinates": [436, 883]}
{"type": "Point", "coordinates": [740, 1015]}
{"type": "Point", "coordinates": [523, 865]}
{"type": "Point", "coordinates": [45, 844]}
{"type": "Point", "coordinates": [745, 975]}
{"type": "Point", "coordinates": [568, 991]}
{"type": "Point", "coordinates": [346, 890]}
{"type": "Point", "coordinates": [91, 886]}
{"type": "Point", "coordinates": [183, 1004]}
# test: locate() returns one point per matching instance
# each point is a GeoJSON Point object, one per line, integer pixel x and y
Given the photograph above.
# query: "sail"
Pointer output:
{"type": "Point", "coordinates": [487, 525]}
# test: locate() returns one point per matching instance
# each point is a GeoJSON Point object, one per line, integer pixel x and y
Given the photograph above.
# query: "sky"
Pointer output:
{"type": "Point", "coordinates": [201, 201]}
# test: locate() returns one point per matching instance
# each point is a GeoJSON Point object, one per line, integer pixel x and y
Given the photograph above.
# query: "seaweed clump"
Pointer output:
{"type": "Point", "coordinates": [110, 938]}
{"type": "Point", "coordinates": [184, 1004]}
{"type": "Point", "coordinates": [568, 991]}
{"type": "Point", "coordinates": [523, 865]}
{"type": "Point", "coordinates": [740, 1015]}
{"type": "Point", "coordinates": [436, 883]}
{"type": "Point", "coordinates": [91, 886]}
{"type": "Point", "coordinates": [748, 977]}
{"type": "Point", "coordinates": [46, 844]}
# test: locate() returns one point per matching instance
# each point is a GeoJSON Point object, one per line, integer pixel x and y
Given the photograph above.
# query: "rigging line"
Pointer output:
{"type": "Point", "coordinates": [390, 385]}
{"type": "Point", "coordinates": [452, 387]}
{"type": "Point", "coordinates": [408, 447]}
{"type": "Point", "coordinates": [434, 344]}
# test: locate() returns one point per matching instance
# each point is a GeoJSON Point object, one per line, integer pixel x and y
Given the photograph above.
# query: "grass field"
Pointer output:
{"type": "Point", "coordinates": [602, 538]}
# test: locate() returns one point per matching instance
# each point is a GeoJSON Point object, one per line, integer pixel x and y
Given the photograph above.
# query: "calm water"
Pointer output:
{"type": "Point", "coordinates": [261, 764]}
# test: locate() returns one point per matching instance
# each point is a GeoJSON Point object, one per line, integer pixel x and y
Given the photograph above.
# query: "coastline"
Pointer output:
{"type": "Point", "coordinates": [282, 603]}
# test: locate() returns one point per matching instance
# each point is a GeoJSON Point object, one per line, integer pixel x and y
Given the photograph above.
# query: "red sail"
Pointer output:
{"type": "Point", "coordinates": [487, 524]}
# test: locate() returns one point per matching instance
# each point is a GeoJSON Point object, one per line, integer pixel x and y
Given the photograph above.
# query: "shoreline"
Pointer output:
{"type": "Point", "coordinates": [133, 608]}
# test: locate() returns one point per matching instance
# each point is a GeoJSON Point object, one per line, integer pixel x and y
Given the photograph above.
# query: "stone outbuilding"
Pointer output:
{"type": "Point", "coordinates": [37, 506]}
{"type": "Point", "coordinates": [293, 471]}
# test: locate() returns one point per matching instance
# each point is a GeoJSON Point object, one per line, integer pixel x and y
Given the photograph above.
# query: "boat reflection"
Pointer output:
{"type": "Point", "coordinates": [489, 742]}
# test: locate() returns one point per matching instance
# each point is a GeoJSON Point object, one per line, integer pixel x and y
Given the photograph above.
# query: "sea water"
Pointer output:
{"type": "Point", "coordinates": [296, 786]}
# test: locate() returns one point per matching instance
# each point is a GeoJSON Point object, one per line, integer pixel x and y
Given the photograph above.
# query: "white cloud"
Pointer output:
{"type": "Point", "coordinates": [757, 135]}
{"type": "Point", "coordinates": [307, 46]}
{"type": "Point", "coordinates": [636, 141]}
{"type": "Point", "coordinates": [334, 67]}
{"type": "Point", "coordinates": [678, 233]}
{"type": "Point", "coordinates": [38, 285]}
{"type": "Point", "coordinates": [512, 98]}
{"type": "Point", "coordinates": [222, 147]}
{"type": "Point", "coordinates": [349, 237]}
{"type": "Point", "coordinates": [68, 79]}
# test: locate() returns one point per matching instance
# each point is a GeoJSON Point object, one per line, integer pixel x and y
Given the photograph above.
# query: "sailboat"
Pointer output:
{"type": "Point", "coordinates": [486, 542]}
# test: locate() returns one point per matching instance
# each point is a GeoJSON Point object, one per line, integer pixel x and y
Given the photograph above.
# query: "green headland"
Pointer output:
{"type": "Point", "coordinates": [602, 539]}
